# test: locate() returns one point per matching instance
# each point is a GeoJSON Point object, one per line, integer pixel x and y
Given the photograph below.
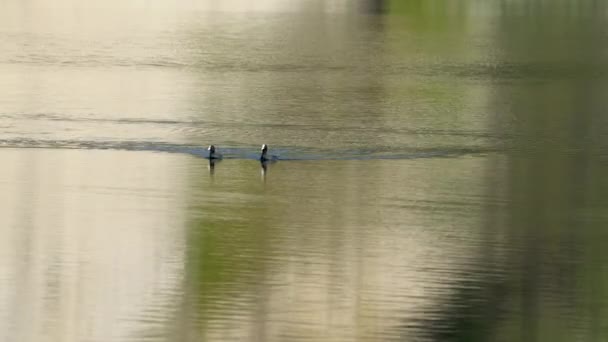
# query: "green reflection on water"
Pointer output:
{"type": "Point", "coordinates": [374, 241]}
{"type": "Point", "coordinates": [549, 284]}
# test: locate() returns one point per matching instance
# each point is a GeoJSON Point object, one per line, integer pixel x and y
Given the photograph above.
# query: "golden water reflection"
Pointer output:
{"type": "Point", "coordinates": [310, 256]}
{"type": "Point", "coordinates": [116, 245]}
{"type": "Point", "coordinates": [89, 240]}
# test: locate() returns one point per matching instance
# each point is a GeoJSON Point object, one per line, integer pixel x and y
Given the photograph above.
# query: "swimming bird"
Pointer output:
{"type": "Point", "coordinates": [212, 153]}
{"type": "Point", "coordinates": [264, 157]}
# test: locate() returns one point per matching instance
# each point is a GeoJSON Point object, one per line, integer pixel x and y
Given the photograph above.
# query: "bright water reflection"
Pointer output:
{"type": "Point", "coordinates": [129, 252]}
{"type": "Point", "coordinates": [89, 241]}
{"type": "Point", "coordinates": [444, 179]}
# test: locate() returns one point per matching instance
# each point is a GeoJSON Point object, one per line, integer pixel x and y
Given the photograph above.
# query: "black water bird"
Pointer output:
{"type": "Point", "coordinates": [213, 154]}
{"type": "Point", "coordinates": [264, 157]}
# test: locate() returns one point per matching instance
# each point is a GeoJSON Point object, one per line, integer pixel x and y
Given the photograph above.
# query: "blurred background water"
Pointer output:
{"type": "Point", "coordinates": [442, 173]}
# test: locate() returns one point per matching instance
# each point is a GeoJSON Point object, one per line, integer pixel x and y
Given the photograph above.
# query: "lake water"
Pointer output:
{"type": "Point", "coordinates": [441, 172]}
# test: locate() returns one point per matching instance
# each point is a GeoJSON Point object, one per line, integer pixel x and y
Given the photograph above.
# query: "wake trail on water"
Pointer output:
{"type": "Point", "coordinates": [249, 152]}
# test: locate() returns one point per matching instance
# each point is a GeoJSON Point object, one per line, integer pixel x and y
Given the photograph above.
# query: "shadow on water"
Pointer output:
{"type": "Point", "coordinates": [374, 6]}
{"type": "Point", "coordinates": [541, 273]}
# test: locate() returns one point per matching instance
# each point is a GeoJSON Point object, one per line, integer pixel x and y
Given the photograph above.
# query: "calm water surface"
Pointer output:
{"type": "Point", "coordinates": [441, 175]}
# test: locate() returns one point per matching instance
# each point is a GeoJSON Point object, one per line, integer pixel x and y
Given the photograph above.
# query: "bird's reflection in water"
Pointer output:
{"type": "Point", "coordinates": [211, 166]}
{"type": "Point", "coordinates": [263, 169]}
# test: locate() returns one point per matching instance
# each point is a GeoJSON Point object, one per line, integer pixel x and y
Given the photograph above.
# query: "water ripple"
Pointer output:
{"type": "Point", "coordinates": [250, 152]}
